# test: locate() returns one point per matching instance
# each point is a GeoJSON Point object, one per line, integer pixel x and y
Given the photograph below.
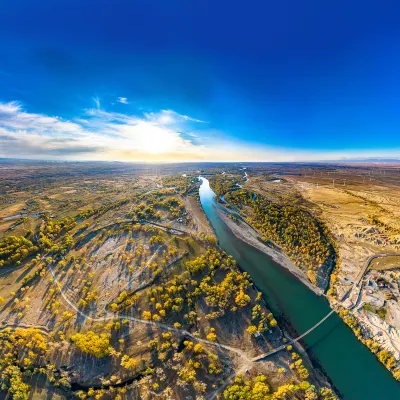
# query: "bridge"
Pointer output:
{"type": "Point", "coordinates": [265, 355]}
{"type": "Point", "coordinates": [344, 297]}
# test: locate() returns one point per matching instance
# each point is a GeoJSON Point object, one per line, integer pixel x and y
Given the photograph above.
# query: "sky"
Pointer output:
{"type": "Point", "coordinates": [179, 80]}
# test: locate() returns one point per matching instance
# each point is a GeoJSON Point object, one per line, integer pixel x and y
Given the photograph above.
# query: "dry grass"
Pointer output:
{"type": "Point", "coordinates": [385, 263]}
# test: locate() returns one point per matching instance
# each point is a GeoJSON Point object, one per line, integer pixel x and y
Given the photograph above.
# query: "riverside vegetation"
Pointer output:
{"type": "Point", "coordinates": [284, 218]}
{"type": "Point", "coordinates": [286, 223]}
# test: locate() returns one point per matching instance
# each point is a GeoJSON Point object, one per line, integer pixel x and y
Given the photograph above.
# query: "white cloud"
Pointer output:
{"type": "Point", "coordinates": [9, 108]}
{"type": "Point", "coordinates": [123, 100]}
{"type": "Point", "coordinates": [163, 136]}
{"type": "Point", "coordinates": [99, 134]}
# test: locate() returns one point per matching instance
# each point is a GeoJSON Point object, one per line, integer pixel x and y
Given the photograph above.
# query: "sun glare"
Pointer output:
{"type": "Point", "coordinates": [153, 139]}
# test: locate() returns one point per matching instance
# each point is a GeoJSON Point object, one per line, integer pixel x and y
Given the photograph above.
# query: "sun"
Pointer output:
{"type": "Point", "coordinates": [153, 139]}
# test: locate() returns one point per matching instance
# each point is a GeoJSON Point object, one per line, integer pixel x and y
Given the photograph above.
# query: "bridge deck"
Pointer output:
{"type": "Point", "coordinates": [262, 356]}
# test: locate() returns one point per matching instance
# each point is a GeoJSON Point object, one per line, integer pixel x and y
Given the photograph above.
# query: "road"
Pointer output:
{"type": "Point", "coordinates": [364, 270]}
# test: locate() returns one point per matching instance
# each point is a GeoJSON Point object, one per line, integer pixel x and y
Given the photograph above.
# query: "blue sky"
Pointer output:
{"type": "Point", "coordinates": [199, 80]}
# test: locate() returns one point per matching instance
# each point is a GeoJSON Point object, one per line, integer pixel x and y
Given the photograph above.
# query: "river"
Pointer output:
{"type": "Point", "coordinates": [353, 369]}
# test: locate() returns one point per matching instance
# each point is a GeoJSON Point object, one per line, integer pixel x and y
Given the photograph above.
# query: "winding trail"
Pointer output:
{"type": "Point", "coordinates": [241, 353]}
{"type": "Point", "coordinates": [44, 329]}
{"type": "Point", "coordinates": [246, 362]}
{"type": "Point", "coordinates": [110, 316]}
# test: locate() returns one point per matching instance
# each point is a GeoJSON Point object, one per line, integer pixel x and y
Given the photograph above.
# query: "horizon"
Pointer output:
{"type": "Point", "coordinates": [350, 162]}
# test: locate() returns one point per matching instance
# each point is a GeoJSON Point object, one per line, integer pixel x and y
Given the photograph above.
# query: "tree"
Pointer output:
{"type": "Point", "coordinates": [327, 394]}
{"type": "Point", "coordinates": [242, 299]}
{"type": "Point", "coordinates": [66, 316]}
{"type": "Point", "coordinates": [17, 387]}
{"type": "Point", "coordinates": [198, 348]}
{"type": "Point", "coordinates": [252, 329]}
{"type": "Point", "coordinates": [212, 335]}
{"type": "Point", "coordinates": [387, 359]}
{"type": "Point", "coordinates": [128, 362]}
{"type": "Point", "coordinates": [146, 315]}
{"type": "Point", "coordinates": [91, 343]}
{"type": "Point", "coordinates": [273, 323]}
{"type": "Point", "coordinates": [256, 389]}
{"type": "Point", "coordinates": [396, 374]}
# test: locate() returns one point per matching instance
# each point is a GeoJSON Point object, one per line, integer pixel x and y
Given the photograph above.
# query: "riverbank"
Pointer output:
{"type": "Point", "coordinates": [246, 233]}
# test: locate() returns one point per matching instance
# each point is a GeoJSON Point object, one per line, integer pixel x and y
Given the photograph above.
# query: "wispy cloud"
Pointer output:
{"type": "Point", "coordinates": [123, 100]}
{"type": "Point", "coordinates": [187, 118]}
{"type": "Point", "coordinates": [170, 117]}
{"type": "Point", "coordinates": [97, 101]}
